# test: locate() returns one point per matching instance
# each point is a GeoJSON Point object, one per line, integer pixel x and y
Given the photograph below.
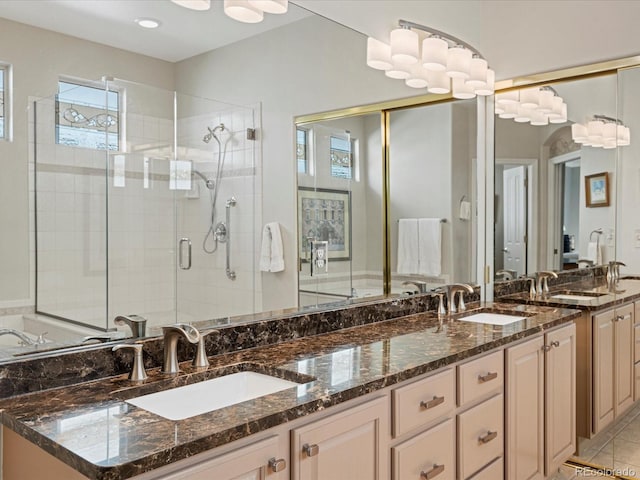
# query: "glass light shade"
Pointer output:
{"type": "Point", "coordinates": [487, 88]}
{"type": "Point", "coordinates": [398, 72]}
{"type": "Point", "coordinates": [434, 54]}
{"type": "Point", "coordinates": [438, 82]}
{"type": "Point", "coordinates": [510, 110]}
{"type": "Point", "coordinates": [477, 72]}
{"type": "Point", "coordinates": [530, 97]}
{"type": "Point", "coordinates": [462, 89]}
{"type": "Point", "coordinates": [539, 118]}
{"type": "Point", "coordinates": [559, 118]}
{"type": "Point", "coordinates": [459, 62]}
{"type": "Point", "coordinates": [378, 54]}
{"type": "Point", "coordinates": [624, 135]}
{"type": "Point", "coordinates": [504, 98]}
{"type": "Point", "coordinates": [418, 77]}
{"type": "Point", "coordinates": [594, 129]}
{"type": "Point", "coordinates": [578, 133]}
{"type": "Point", "coordinates": [242, 11]}
{"type": "Point", "coordinates": [405, 46]}
{"type": "Point", "coordinates": [194, 4]}
{"type": "Point", "coordinates": [557, 108]}
{"type": "Point", "coordinates": [498, 109]}
{"type": "Point", "coordinates": [524, 114]}
{"type": "Point", "coordinates": [609, 132]}
{"type": "Point", "coordinates": [609, 143]}
{"type": "Point", "coordinates": [546, 101]}
{"type": "Point", "coordinates": [271, 6]}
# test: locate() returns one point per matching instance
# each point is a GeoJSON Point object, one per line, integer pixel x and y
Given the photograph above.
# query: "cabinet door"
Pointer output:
{"type": "Point", "coordinates": [624, 356]}
{"type": "Point", "coordinates": [258, 461]}
{"type": "Point", "coordinates": [345, 446]}
{"type": "Point", "coordinates": [560, 397]}
{"type": "Point", "coordinates": [525, 410]}
{"type": "Point", "coordinates": [603, 366]}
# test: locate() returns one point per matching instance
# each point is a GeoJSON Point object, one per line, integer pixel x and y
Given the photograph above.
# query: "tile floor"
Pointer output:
{"type": "Point", "coordinates": [617, 447]}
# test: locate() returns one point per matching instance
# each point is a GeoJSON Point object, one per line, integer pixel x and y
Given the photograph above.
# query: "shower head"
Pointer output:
{"type": "Point", "coordinates": [208, 182]}
{"type": "Point", "coordinates": [212, 133]}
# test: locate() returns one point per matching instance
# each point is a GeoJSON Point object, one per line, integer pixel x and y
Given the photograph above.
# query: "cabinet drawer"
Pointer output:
{"type": "Point", "coordinates": [480, 436]}
{"type": "Point", "coordinates": [495, 471]}
{"type": "Point", "coordinates": [431, 452]}
{"type": "Point", "coordinates": [479, 377]}
{"type": "Point", "coordinates": [636, 336]}
{"type": "Point", "coordinates": [423, 401]}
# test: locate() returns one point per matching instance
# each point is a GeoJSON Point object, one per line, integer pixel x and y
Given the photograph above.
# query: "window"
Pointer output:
{"type": "Point", "coordinates": [87, 116]}
{"type": "Point", "coordinates": [341, 157]}
{"type": "Point", "coordinates": [302, 150]}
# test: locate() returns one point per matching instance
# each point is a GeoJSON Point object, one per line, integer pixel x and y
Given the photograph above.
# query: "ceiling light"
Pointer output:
{"type": "Point", "coordinates": [252, 11]}
{"type": "Point", "coordinates": [601, 131]}
{"type": "Point", "coordinates": [427, 58]}
{"type": "Point", "coordinates": [194, 4]}
{"type": "Point", "coordinates": [147, 22]}
{"type": "Point", "coordinates": [537, 105]}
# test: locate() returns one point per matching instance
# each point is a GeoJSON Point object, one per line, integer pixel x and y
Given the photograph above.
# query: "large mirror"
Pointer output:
{"type": "Point", "coordinates": [555, 199]}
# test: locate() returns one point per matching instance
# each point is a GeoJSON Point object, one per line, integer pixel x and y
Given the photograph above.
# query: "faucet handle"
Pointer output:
{"type": "Point", "coordinates": [201, 360]}
{"type": "Point", "coordinates": [138, 372]}
{"type": "Point", "coordinates": [136, 323]}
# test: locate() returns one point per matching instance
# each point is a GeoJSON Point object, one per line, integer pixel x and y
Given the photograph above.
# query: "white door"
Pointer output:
{"type": "Point", "coordinates": [515, 219]}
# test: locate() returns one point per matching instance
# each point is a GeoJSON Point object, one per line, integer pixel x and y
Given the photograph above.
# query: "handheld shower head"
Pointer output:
{"type": "Point", "coordinates": [212, 133]}
{"type": "Point", "coordinates": [207, 181]}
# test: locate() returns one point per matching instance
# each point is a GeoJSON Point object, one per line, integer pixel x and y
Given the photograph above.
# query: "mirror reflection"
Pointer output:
{"type": "Point", "coordinates": [554, 197]}
{"type": "Point", "coordinates": [433, 175]}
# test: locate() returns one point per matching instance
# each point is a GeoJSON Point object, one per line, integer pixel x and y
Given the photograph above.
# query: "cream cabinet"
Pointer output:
{"type": "Point", "coordinates": [344, 446]}
{"type": "Point", "coordinates": [540, 406]}
{"type": "Point", "coordinates": [613, 365]}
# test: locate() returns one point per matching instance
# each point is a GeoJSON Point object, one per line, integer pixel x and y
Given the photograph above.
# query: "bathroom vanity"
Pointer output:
{"type": "Point", "coordinates": [421, 394]}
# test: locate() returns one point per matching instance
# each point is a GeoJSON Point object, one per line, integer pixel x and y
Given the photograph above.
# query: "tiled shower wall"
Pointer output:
{"type": "Point", "coordinates": [131, 222]}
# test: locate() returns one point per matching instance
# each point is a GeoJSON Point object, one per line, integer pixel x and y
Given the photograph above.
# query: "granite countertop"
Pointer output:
{"type": "Point", "coordinates": [90, 426]}
{"type": "Point", "coordinates": [625, 290]}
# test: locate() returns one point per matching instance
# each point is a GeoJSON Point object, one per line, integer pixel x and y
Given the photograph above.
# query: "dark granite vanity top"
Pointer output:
{"type": "Point", "coordinates": [595, 293]}
{"type": "Point", "coordinates": [90, 426]}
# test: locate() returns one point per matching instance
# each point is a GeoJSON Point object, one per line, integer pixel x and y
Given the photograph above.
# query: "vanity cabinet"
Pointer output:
{"type": "Point", "coordinates": [613, 362]}
{"type": "Point", "coordinates": [540, 406]}
{"type": "Point", "coordinates": [636, 366]}
{"type": "Point", "coordinates": [344, 446]}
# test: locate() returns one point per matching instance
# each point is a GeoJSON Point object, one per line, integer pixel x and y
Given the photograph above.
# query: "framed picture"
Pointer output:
{"type": "Point", "coordinates": [597, 189]}
{"type": "Point", "coordinates": [324, 215]}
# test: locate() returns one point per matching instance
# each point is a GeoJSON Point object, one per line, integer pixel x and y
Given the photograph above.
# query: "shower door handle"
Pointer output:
{"type": "Point", "coordinates": [181, 244]}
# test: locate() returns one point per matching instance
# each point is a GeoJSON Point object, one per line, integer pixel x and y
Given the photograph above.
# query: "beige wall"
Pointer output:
{"type": "Point", "coordinates": [38, 58]}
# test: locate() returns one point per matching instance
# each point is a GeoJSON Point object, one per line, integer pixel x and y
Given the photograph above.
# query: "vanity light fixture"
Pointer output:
{"type": "Point", "coordinates": [427, 58]}
{"type": "Point", "coordinates": [536, 105]}
{"type": "Point", "coordinates": [194, 4]}
{"type": "Point", "coordinates": [601, 132]}
{"type": "Point", "coordinates": [252, 11]}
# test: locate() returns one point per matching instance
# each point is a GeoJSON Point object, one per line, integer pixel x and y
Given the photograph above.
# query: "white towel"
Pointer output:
{"type": "Point", "coordinates": [594, 253]}
{"type": "Point", "coordinates": [430, 246]}
{"type": "Point", "coordinates": [465, 210]}
{"type": "Point", "coordinates": [408, 253]}
{"type": "Point", "coordinates": [272, 251]}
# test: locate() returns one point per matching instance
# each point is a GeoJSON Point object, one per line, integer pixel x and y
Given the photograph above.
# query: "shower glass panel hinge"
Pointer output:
{"type": "Point", "coordinates": [251, 133]}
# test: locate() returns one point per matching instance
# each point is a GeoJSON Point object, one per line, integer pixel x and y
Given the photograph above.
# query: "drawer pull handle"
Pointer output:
{"type": "Point", "coordinates": [546, 348]}
{"type": "Point", "coordinates": [619, 318]}
{"type": "Point", "coordinates": [489, 376]}
{"type": "Point", "coordinates": [432, 403]}
{"type": "Point", "coordinates": [555, 343]}
{"type": "Point", "coordinates": [488, 437]}
{"type": "Point", "coordinates": [277, 465]}
{"type": "Point", "coordinates": [311, 450]}
{"type": "Point", "coordinates": [433, 473]}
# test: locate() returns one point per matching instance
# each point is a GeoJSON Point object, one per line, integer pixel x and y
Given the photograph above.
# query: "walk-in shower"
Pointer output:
{"type": "Point", "coordinates": [112, 205]}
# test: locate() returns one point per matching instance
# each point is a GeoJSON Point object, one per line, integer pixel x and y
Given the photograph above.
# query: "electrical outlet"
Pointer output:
{"type": "Point", "coordinates": [320, 257]}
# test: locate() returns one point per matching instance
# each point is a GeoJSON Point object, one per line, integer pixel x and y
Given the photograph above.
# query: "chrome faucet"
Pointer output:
{"type": "Point", "coordinates": [450, 291]}
{"type": "Point", "coordinates": [542, 281]}
{"type": "Point", "coordinates": [138, 372]}
{"type": "Point", "coordinates": [136, 323]}
{"type": "Point", "coordinates": [613, 272]}
{"type": "Point", "coordinates": [26, 340]}
{"type": "Point", "coordinates": [171, 335]}
{"type": "Point", "coordinates": [507, 274]}
{"type": "Point", "coordinates": [419, 284]}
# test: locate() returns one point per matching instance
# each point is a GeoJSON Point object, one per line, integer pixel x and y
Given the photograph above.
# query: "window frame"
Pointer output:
{"type": "Point", "coordinates": [354, 155]}
{"type": "Point", "coordinates": [308, 164]}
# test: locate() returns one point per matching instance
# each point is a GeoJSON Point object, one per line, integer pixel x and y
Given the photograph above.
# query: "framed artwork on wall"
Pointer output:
{"type": "Point", "coordinates": [597, 189]}
{"type": "Point", "coordinates": [324, 215]}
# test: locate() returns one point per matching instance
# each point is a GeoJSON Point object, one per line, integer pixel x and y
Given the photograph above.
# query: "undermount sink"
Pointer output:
{"type": "Point", "coordinates": [579, 295]}
{"type": "Point", "coordinates": [198, 398]}
{"type": "Point", "coordinates": [492, 318]}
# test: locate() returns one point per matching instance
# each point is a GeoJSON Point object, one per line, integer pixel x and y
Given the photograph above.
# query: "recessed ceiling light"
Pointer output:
{"type": "Point", "coordinates": [147, 22]}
